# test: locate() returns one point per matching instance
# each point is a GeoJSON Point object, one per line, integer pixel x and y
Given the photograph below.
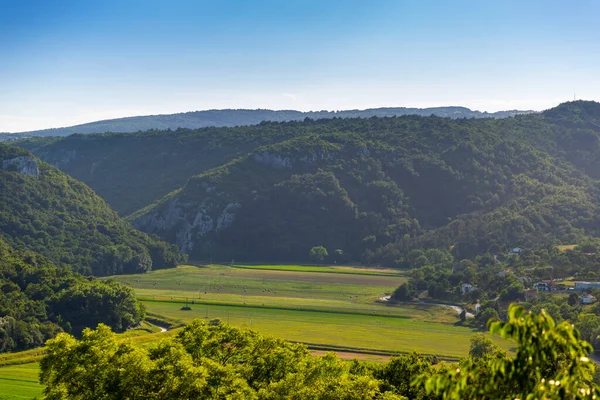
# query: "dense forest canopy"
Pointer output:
{"type": "Point", "coordinates": [374, 189]}
{"type": "Point", "coordinates": [378, 188]}
{"type": "Point", "coordinates": [46, 211]}
{"type": "Point", "coordinates": [39, 300]}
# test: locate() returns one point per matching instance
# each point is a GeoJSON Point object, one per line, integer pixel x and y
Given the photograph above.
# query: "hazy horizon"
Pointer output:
{"type": "Point", "coordinates": [71, 63]}
{"type": "Point", "coordinates": [256, 109]}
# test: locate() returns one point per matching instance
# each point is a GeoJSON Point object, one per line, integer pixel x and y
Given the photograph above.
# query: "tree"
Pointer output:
{"type": "Point", "coordinates": [551, 362]}
{"type": "Point", "coordinates": [573, 299]}
{"type": "Point", "coordinates": [318, 253]}
{"type": "Point", "coordinates": [201, 362]}
{"type": "Point", "coordinates": [403, 293]}
{"type": "Point", "coordinates": [482, 346]}
{"type": "Point", "coordinates": [488, 314]}
{"type": "Point", "coordinates": [402, 370]}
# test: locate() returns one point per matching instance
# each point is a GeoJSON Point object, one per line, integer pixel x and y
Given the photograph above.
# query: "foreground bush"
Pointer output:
{"type": "Point", "coordinates": [551, 362]}
{"type": "Point", "coordinates": [201, 362]}
{"type": "Point", "coordinates": [223, 362]}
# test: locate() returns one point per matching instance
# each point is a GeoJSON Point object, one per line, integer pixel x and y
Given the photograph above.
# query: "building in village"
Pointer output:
{"type": "Point", "coordinates": [581, 286]}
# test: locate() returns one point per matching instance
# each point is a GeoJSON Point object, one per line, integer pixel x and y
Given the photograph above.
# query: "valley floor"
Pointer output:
{"type": "Point", "coordinates": [329, 310]}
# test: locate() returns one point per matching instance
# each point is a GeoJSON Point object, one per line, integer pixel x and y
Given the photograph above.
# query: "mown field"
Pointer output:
{"type": "Point", "coordinates": [392, 333]}
{"type": "Point", "coordinates": [20, 382]}
{"type": "Point", "coordinates": [329, 308]}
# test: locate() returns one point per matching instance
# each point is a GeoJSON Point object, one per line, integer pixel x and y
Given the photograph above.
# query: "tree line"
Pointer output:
{"type": "Point", "coordinates": [39, 300]}
{"type": "Point", "coordinates": [218, 361]}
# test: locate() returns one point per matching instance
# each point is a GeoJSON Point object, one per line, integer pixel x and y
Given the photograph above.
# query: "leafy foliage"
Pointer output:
{"type": "Point", "coordinates": [318, 253]}
{"type": "Point", "coordinates": [64, 220]}
{"type": "Point", "coordinates": [38, 300]}
{"type": "Point", "coordinates": [550, 363]}
{"type": "Point", "coordinates": [372, 188]}
{"type": "Point", "coordinates": [200, 362]}
{"type": "Point", "coordinates": [219, 361]}
{"type": "Point", "coordinates": [375, 188]}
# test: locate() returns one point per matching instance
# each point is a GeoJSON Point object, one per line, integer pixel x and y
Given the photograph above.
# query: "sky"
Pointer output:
{"type": "Point", "coordinates": [69, 62]}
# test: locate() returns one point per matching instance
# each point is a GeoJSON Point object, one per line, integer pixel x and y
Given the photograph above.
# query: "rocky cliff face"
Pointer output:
{"type": "Point", "coordinates": [187, 223]}
{"type": "Point", "coordinates": [25, 165]}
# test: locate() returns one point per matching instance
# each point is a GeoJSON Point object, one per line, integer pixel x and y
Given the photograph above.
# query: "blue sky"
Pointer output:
{"type": "Point", "coordinates": [69, 62]}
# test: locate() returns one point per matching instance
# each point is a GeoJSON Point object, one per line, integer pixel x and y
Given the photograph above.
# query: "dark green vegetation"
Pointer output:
{"type": "Point", "coordinates": [52, 214]}
{"type": "Point", "coordinates": [131, 171]}
{"type": "Point", "coordinates": [219, 361]}
{"type": "Point", "coordinates": [551, 362]}
{"type": "Point", "coordinates": [39, 300]}
{"type": "Point", "coordinates": [374, 189]}
{"type": "Point", "coordinates": [501, 279]}
{"type": "Point", "coordinates": [230, 118]}
{"type": "Point", "coordinates": [377, 189]}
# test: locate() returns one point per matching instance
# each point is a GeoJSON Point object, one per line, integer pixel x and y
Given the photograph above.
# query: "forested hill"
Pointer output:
{"type": "Point", "coordinates": [46, 211]}
{"type": "Point", "coordinates": [39, 300]}
{"type": "Point", "coordinates": [375, 189]}
{"type": "Point", "coordinates": [372, 188]}
{"type": "Point", "coordinates": [229, 118]}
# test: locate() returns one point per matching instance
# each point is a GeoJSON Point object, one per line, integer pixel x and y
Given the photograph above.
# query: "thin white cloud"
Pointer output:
{"type": "Point", "coordinates": [290, 96]}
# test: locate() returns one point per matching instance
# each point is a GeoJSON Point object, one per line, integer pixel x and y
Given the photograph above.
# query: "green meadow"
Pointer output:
{"type": "Point", "coordinates": [328, 308]}
{"type": "Point", "coordinates": [324, 269]}
{"type": "Point", "coordinates": [388, 333]}
{"type": "Point", "coordinates": [20, 382]}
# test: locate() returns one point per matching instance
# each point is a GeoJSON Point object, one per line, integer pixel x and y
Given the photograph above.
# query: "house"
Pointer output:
{"type": "Point", "coordinates": [581, 286]}
{"type": "Point", "coordinates": [524, 279]}
{"type": "Point", "coordinates": [587, 299]}
{"type": "Point", "coordinates": [544, 286]}
{"type": "Point", "coordinates": [515, 251]}
{"type": "Point", "coordinates": [502, 274]}
{"type": "Point", "coordinates": [466, 288]}
{"type": "Point", "coordinates": [530, 294]}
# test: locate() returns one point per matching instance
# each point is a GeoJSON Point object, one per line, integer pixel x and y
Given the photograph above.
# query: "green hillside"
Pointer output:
{"type": "Point", "coordinates": [376, 189]}
{"type": "Point", "coordinates": [48, 212]}
{"type": "Point", "coordinates": [131, 171]}
{"type": "Point", "coordinates": [373, 188]}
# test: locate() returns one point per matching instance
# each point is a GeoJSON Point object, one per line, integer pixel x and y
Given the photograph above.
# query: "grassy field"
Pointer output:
{"type": "Point", "coordinates": [332, 329]}
{"type": "Point", "coordinates": [566, 247]}
{"type": "Point", "coordinates": [218, 282]}
{"type": "Point", "coordinates": [20, 382]}
{"type": "Point", "coordinates": [324, 269]}
{"type": "Point", "coordinates": [329, 308]}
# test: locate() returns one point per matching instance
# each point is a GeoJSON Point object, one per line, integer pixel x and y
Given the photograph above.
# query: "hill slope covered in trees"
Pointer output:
{"type": "Point", "coordinates": [46, 211]}
{"type": "Point", "coordinates": [377, 188]}
{"type": "Point", "coordinates": [373, 188]}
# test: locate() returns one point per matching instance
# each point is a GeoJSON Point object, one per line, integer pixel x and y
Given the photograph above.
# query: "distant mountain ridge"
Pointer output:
{"type": "Point", "coordinates": [240, 117]}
